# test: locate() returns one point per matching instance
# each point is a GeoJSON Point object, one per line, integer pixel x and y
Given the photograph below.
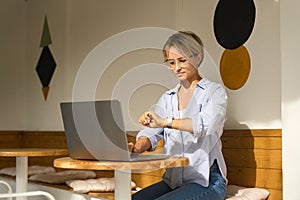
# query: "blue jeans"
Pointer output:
{"type": "Point", "coordinates": [191, 191]}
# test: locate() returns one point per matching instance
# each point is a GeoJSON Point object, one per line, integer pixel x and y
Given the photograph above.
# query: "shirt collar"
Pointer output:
{"type": "Point", "coordinates": [201, 84]}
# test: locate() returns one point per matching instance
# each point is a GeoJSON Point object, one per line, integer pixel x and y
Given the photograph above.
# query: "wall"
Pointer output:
{"type": "Point", "coordinates": [12, 68]}
{"type": "Point", "coordinates": [77, 27]}
{"type": "Point", "coordinates": [290, 96]}
{"type": "Point", "coordinates": [87, 30]}
{"type": "Point", "coordinates": [41, 114]}
{"type": "Point", "coordinates": [257, 103]}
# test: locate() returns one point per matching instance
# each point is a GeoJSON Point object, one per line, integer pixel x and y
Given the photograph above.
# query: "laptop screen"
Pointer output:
{"type": "Point", "coordinates": [95, 130]}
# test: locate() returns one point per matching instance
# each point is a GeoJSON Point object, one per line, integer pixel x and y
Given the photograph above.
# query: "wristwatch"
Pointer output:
{"type": "Point", "coordinates": [169, 122]}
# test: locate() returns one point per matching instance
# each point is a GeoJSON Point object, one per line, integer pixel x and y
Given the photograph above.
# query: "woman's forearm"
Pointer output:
{"type": "Point", "coordinates": [182, 124]}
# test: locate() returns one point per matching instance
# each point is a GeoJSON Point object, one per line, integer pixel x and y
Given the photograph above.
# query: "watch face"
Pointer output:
{"type": "Point", "coordinates": [169, 122]}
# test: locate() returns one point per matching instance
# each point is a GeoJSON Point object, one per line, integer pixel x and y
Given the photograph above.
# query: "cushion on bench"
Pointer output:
{"type": "Point", "coordinates": [94, 185]}
{"type": "Point", "coordinates": [235, 192]}
{"type": "Point", "coordinates": [34, 169]}
{"type": "Point", "coordinates": [63, 176]}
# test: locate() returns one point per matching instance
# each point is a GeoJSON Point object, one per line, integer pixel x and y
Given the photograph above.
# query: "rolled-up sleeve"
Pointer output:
{"type": "Point", "coordinates": [153, 134]}
{"type": "Point", "coordinates": [210, 120]}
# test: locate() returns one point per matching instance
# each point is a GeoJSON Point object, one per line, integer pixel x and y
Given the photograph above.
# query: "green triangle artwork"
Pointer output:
{"type": "Point", "coordinates": [46, 64]}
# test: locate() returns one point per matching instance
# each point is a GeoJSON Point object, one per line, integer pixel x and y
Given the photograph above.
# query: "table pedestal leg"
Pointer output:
{"type": "Point", "coordinates": [122, 184]}
{"type": "Point", "coordinates": [21, 175]}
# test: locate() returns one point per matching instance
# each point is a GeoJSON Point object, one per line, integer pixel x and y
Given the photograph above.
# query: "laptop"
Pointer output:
{"type": "Point", "coordinates": [95, 131]}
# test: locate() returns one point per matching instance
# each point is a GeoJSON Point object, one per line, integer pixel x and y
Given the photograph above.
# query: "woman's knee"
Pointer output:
{"type": "Point", "coordinates": [152, 192]}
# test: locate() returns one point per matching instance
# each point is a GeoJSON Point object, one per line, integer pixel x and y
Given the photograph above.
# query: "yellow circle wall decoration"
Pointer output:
{"type": "Point", "coordinates": [235, 67]}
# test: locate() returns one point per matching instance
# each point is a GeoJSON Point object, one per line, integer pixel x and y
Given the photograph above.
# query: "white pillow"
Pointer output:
{"type": "Point", "coordinates": [94, 185]}
{"type": "Point", "coordinates": [63, 176]}
{"type": "Point", "coordinates": [235, 192]}
{"type": "Point", "coordinates": [34, 169]}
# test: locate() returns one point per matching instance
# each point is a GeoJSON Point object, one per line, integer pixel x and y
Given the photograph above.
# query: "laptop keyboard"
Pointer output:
{"type": "Point", "coordinates": [141, 157]}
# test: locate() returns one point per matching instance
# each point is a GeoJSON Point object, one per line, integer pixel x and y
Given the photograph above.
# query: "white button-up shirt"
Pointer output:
{"type": "Point", "coordinates": [207, 109]}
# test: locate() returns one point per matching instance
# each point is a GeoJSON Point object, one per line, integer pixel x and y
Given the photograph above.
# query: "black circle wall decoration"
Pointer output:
{"type": "Point", "coordinates": [233, 22]}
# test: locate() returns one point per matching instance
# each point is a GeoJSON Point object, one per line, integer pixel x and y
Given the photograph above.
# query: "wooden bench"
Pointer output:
{"type": "Point", "coordinates": [29, 139]}
{"type": "Point", "coordinates": [253, 157]}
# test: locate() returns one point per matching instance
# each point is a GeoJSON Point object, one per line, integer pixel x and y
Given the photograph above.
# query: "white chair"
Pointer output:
{"type": "Point", "coordinates": [9, 195]}
{"type": "Point", "coordinates": [8, 187]}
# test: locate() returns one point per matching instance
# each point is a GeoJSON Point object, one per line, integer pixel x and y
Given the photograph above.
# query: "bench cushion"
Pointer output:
{"type": "Point", "coordinates": [63, 176]}
{"type": "Point", "coordinates": [34, 169]}
{"type": "Point", "coordinates": [94, 185]}
{"type": "Point", "coordinates": [235, 192]}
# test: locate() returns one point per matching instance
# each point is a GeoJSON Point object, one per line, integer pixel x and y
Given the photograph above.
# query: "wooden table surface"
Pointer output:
{"type": "Point", "coordinates": [122, 170]}
{"type": "Point", "coordinates": [69, 163]}
{"type": "Point", "coordinates": [22, 155]}
{"type": "Point", "coordinates": [30, 152]}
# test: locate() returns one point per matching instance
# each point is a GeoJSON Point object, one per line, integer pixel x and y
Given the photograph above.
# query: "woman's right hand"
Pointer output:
{"type": "Point", "coordinates": [151, 119]}
{"type": "Point", "coordinates": [132, 148]}
{"type": "Point", "coordinates": [141, 145]}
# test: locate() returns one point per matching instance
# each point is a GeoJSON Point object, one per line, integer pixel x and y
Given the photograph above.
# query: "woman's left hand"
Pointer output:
{"type": "Point", "coordinates": [152, 120]}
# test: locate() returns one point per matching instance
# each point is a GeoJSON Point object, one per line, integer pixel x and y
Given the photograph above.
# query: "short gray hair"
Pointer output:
{"type": "Point", "coordinates": [186, 42]}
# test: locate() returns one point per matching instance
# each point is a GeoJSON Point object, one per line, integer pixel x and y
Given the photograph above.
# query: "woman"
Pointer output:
{"type": "Point", "coordinates": [190, 118]}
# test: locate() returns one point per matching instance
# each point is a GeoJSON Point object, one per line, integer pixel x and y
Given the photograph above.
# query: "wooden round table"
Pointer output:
{"type": "Point", "coordinates": [22, 155]}
{"type": "Point", "coordinates": [122, 170]}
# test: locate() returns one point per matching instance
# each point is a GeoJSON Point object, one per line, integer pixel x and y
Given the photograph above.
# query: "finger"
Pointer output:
{"type": "Point", "coordinates": [148, 117]}
{"type": "Point", "coordinates": [147, 121]}
{"type": "Point", "coordinates": [135, 150]}
{"type": "Point", "coordinates": [142, 120]}
{"type": "Point", "coordinates": [130, 146]}
{"type": "Point", "coordinates": [143, 117]}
